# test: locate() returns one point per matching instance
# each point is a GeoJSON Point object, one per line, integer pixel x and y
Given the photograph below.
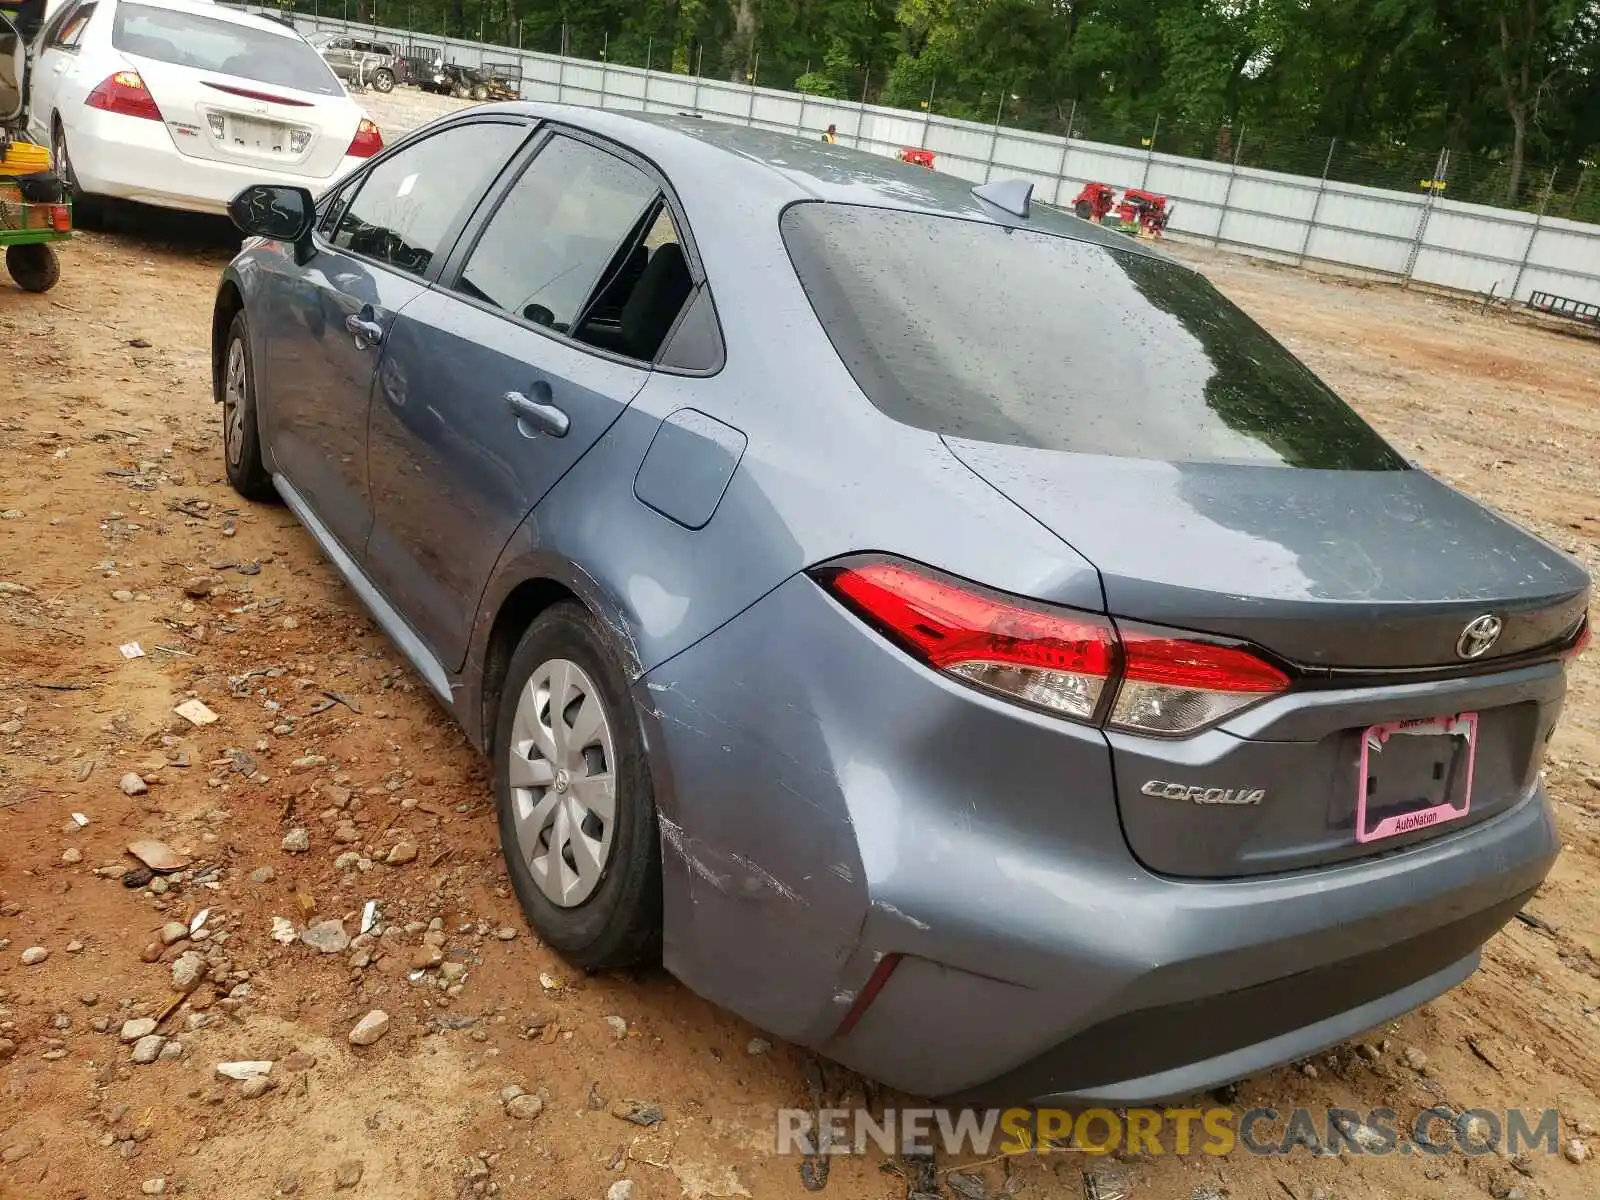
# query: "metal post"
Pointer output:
{"type": "Point", "coordinates": [699, 61]}
{"type": "Point", "coordinates": [927, 121]}
{"type": "Point", "coordinates": [1533, 236]}
{"type": "Point", "coordinates": [649, 57]}
{"type": "Point", "coordinates": [1227, 193]}
{"type": "Point", "coordinates": [1066, 144]}
{"type": "Point", "coordinates": [605, 61]}
{"type": "Point", "coordinates": [994, 137]}
{"type": "Point", "coordinates": [561, 67]}
{"type": "Point", "coordinates": [1441, 167]}
{"type": "Point", "coordinates": [519, 33]}
{"type": "Point", "coordinates": [1316, 205]}
{"type": "Point", "coordinates": [750, 82]}
{"type": "Point", "coordinates": [865, 79]}
{"type": "Point", "coordinates": [1151, 153]}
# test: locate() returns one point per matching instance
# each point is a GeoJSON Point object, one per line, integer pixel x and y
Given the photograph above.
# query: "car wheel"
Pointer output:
{"type": "Point", "coordinates": [87, 210]}
{"type": "Point", "coordinates": [241, 436]}
{"type": "Point", "coordinates": [34, 267]}
{"type": "Point", "coordinates": [480, 92]}
{"type": "Point", "coordinates": [383, 80]}
{"type": "Point", "coordinates": [576, 806]}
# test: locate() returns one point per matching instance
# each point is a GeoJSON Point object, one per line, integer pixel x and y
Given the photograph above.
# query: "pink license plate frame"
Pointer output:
{"type": "Point", "coordinates": [1460, 725]}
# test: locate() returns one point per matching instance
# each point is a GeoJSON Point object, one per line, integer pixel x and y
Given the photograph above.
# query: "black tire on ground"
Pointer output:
{"type": "Point", "coordinates": [34, 267]}
{"type": "Point", "coordinates": [241, 447]}
{"type": "Point", "coordinates": [619, 924]}
{"type": "Point", "coordinates": [383, 80]}
{"type": "Point", "coordinates": [480, 92]}
{"type": "Point", "coordinates": [88, 212]}
{"type": "Point", "coordinates": [1083, 209]}
{"type": "Point", "coordinates": [459, 92]}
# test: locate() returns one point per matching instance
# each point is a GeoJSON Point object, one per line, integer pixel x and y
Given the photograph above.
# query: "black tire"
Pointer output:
{"type": "Point", "coordinates": [1082, 210]}
{"type": "Point", "coordinates": [241, 447]}
{"type": "Point", "coordinates": [34, 267]}
{"type": "Point", "coordinates": [619, 924]}
{"type": "Point", "coordinates": [480, 92]}
{"type": "Point", "coordinates": [88, 212]}
{"type": "Point", "coordinates": [383, 80]}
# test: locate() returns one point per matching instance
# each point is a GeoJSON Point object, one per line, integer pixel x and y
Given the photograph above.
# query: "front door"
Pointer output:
{"type": "Point", "coordinates": [494, 388]}
{"type": "Point", "coordinates": [326, 323]}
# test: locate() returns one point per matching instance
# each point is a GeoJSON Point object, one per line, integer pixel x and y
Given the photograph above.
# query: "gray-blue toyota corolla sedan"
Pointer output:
{"type": "Point", "coordinates": [948, 635]}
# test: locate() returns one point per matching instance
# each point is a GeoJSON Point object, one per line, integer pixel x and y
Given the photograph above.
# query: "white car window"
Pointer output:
{"type": "Point", "coordinates": [226, 47]}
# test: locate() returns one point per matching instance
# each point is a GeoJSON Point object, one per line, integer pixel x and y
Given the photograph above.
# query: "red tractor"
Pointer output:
{"type": "Point", "coordinates": [1145, 211]}
{"type": "Point", "coordinates": [1095, 201]}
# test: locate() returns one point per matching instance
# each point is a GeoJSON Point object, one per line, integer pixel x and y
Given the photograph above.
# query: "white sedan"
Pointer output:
{"type": "Point", "coordinates": [182, 103]}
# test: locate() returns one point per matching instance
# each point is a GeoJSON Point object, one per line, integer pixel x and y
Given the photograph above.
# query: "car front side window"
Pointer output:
{"type": "Point", "coordinates": [583, 245]}
{"type": "Point", "coordinates": [410, 202]}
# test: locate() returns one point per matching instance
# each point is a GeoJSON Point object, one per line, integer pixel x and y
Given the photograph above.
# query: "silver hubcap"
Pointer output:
{"type": "Point", "coordinates": [563, 791]}
{"type": "Point", "coordinates": [233, 395]}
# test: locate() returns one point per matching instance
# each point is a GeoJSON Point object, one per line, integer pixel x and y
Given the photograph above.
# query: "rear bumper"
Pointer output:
{"type": "Point", "coordinates": [827, 803]}
{"type": "Point", "coordinates": [129, 158]}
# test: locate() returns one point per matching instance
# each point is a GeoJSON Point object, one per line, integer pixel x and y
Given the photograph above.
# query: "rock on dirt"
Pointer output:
{"type": "Point", "coordinates": [370, 1028]}
{"type": "Point", "coordinates": [622, 1189]}
{"type": "Point", "coordinates": [348, 1173]}
{"type": "Point", "coordinates": [147, 1049]}
{"type": "Point", "coordinates": [34, 955]}
{"type": "Point", "coordinates": [327, 936]}
{"type": "Point", "coordinates": [188, 970]}
{"type": "Point", "coordinates": [296, 841]}
{"type": "Point", "coordinates": [141, 1027]}
{"type": "Point", "coordinates": [132, 785]}
{"type": "Point", "coordinates": [1575, 1151]}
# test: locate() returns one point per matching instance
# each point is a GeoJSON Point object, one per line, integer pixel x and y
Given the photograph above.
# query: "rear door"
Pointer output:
{"type": "Point", "coordinates": [251, 93]}
{"type": "Point", "coordinates": [494, 388]}
{"type": "Point", "coordinates": [55, 79]}
{"type": "Point", "coordinates": [324, 325]}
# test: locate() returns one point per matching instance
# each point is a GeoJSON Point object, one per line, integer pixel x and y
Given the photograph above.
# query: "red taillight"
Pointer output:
{"type": "Point", "coordinates": [125, 94]}
{"type": "Point", "coordinates": [1056, 661]}
{"type": "Point", "coordinates": [1067, 662]}
{"type": "Point", "coordinates": [60, 218]}
{"type": "Point", "coordinates": [367, 142]}
{"type": "Point", "coordinates": [1582, 644]}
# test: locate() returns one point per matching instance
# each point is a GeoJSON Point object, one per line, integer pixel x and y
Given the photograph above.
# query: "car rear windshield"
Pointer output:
{"type": "Point", "coordinates": [1007, 335]}
{"type": "Point", "coordinates": [226, 47]}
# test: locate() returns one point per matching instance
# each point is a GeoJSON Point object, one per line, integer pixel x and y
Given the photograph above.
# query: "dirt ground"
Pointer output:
{"type": "Point", "coordinates": [116, 526]}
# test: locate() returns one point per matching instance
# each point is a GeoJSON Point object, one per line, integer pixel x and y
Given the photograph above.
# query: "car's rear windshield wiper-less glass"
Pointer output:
{"type": "Point", "coordinates": [1023, 338]}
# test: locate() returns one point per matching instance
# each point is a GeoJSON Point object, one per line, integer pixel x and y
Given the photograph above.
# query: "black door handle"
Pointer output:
{"type": "Point", "coordinates": [370, 333]}
{"type": "Point", "coordinates": [547, 417]}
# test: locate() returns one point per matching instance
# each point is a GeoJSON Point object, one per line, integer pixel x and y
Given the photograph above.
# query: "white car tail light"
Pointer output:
{"type": "Point", "coordinates": [1077, 665]}
{"type": "Point", "coordinates": [126, 95]}
{"type": "Point", "coordinates": [367, 142]}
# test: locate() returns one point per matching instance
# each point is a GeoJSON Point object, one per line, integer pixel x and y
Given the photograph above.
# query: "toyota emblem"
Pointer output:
{"type": "Point", "coordinates": [1480, 634]}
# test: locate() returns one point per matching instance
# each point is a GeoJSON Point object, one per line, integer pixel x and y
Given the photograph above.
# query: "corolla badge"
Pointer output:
{"type": "Point", "coordinates": [1203, 795]}
{"type": "Point", "coordinates": [1480, 634]}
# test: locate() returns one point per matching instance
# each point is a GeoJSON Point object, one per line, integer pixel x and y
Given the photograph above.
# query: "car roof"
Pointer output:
{"type": "Point", "coordinates": [684, 145]}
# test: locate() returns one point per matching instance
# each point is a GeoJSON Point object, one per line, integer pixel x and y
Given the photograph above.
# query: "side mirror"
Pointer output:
{"type": "Point", "coordinates": [284, 214]}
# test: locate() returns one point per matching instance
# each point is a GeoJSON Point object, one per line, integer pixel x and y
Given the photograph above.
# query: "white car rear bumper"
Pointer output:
{"type": "Point", "coordinates": [130, 158]}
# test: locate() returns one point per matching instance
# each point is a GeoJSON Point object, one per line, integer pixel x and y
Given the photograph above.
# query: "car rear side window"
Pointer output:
{"type": "Point", "coordinates": [583, 245]}
{"type": "Point", "coordinates": [411, 200]}
{"type": "Point", "coordinates": [1024, 338]}
{"type": "Point", "coordinates": [226, 47]}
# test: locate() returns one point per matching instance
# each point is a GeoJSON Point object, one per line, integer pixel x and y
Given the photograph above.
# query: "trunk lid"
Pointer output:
{"type": "Point", "coordinates": [1365, 581]}
{"type": "Point", "coordinates": [227, 119]}
{"type": "Point", "coordinates": [238, 89]}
